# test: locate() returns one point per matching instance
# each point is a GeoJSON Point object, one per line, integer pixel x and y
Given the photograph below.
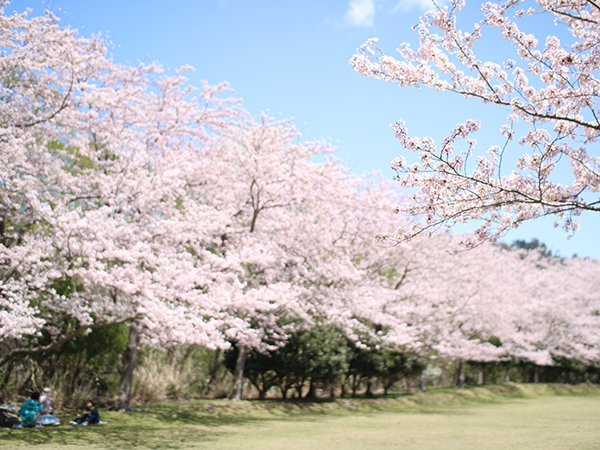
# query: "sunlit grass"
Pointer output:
{"type": "Point", "coordinates": [495, 417]}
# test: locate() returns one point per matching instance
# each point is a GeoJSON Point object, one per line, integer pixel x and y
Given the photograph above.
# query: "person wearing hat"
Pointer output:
{"type": "Point", "coordinates": [46, 402]}
{"type": "Point", "coordinates": [47, 417]}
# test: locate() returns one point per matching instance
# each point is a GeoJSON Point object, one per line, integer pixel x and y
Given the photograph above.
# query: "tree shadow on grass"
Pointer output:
{"type": "Point", "coordinates": [172, 425]}
{"type": "Point", "coordinates": [110, 436]}
{"type": "Point", "coordinates": [158, 429]}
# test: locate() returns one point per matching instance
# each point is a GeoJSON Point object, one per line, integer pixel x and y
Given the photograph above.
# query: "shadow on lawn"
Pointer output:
{"type": "Point", "coordinates": [222, 413]}
{"type": "Point", "coordinates": [118, 436]}
{"type": "Point", "coordinates": [172, 425]}
{"type": "Point", "coordinates": [169, 425]}
{"type": "Point", "coordinates": [161, 426]}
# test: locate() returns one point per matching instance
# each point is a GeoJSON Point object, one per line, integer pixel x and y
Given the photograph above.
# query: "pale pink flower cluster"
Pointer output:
{"type": "Point", "coordinates": [551, 93]}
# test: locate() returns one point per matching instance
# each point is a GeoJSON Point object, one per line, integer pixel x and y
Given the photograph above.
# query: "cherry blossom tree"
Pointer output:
{"type": "Point", "coordinates": [126, 198]}
{"type": "Point", "coordinates": [446, 304]}
{"type": "Point", "coordinates": [560, 317]}
{"type": "Point", "coordinates": [549, 90]}
{"type": "Point", "coordinates": [484, 305]}
{"type": "Point", "coordinates": [99, 222]}
{"type": "Point", "coordinates": [294, 220]}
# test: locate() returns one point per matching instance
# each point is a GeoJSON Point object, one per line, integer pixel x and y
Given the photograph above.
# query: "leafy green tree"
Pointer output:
{"type": "Point", "coordinates": [260, 368]}
{"type": "Point", "coordinates": [364, 365]}
{"type": "Point", "coordinates": [394, 366]}
{"type": "Point", "coordinates": [316, 357]}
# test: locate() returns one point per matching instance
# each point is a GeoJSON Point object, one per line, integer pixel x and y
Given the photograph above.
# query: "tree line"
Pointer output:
{"type": "Point", "coordinates": [139, 212]}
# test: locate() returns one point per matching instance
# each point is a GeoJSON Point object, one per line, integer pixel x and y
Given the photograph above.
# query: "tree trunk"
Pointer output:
{"type": "Point", "coordinates": [24, 379]}
{"type": "Point", "coordinates": [129, 361]}
{"type": "Point", "coordinates": [481, 375]}
{"type": "Point", "coordinates": [312, 390]}
{"type": "Point", "coordinates": [536, 375]}
{"type": "Point", "coordinates": [262, 394]}
{"type": "Point", "coordinates": [369, 391]}
{"type": "Point", "coordinates": [299, 387]}
{"type": "Point", "coordinates": [460, 378]}
{"type": "Point", "coordinates": [240, 363]}
{"type": "Point", "coordinates": [188, 352]}
{"type": "Point", "coordinates": [423, 380]}
{"type": "Point", "coordinates": [213, 371]}
{"type": "Point", "coordinates": [387, 386]}
{"type": "Point", "coordinates": [355, 384]}
{"type": "Point", "coordinates": [172, 355]}
{"type": "Point", "coordinates": [507, 377]}
{"type": "Point", "coordinates": [7, 374]}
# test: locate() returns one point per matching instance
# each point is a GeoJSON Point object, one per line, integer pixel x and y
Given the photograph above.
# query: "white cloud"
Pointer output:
{"type": "Point", "coordinates": [421, 5]}
{"type": "Point", "coordinates": [360, 13]}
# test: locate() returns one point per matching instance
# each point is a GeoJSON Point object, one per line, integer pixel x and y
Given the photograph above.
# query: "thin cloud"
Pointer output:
{"type": "Point", "coordinates": [411, 5]}
{"type": "Point", "coordinates": [361, 13]}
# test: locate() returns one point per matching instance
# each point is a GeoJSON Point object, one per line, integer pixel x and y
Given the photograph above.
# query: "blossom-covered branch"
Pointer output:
{"type": "Point", "coordinates": [551, 93]}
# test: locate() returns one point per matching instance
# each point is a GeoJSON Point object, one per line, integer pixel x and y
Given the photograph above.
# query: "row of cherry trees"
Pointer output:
{"type": "Point", "coordinates": [127, 196]}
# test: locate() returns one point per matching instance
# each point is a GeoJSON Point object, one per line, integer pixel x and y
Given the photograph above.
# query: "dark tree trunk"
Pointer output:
{"type": "Point", "coordinates": [284, 390]}
{"type": "Point", "coordinates": [369, 391]}
{"type": "Point", "coordinates": [312, 390]}
{"type": "Point", "coordinates": [389, 384]}
{"type": "Point", "coordinates": [355, 385]}
{"type": "Point", "coordinates": [129, 361]}
{"type": "Point", "coordinates": [240, 363]}
{"type": "Point", "coordinates": [262, 394]}
{"type": "Point", "coordinates": [343, 387]}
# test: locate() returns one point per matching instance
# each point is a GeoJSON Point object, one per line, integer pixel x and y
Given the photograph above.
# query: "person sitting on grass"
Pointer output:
{"type": "Point", "coordinates": [30, 411]}
{"type": "Point", "coordinates": [90, 416]}
{"type": "Point", "coordinates": [46, 401]}
{"type": "Point", "coordinates": [47, 417]}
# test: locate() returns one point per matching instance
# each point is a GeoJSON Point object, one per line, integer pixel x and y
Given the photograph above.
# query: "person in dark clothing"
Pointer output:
{"type": "Point", "coordinates": [89, 417]}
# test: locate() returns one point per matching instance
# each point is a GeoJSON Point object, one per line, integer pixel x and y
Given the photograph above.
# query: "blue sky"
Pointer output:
{"type": "Point", "coordinates": [291, 58]}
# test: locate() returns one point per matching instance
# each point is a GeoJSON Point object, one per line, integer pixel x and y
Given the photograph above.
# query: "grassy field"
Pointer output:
{"type": "Point", "coordinates": [495, 417]}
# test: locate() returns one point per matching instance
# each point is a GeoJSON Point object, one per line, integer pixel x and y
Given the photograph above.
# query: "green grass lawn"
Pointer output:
{"type": "Point", "coordinates": [497, 417]}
